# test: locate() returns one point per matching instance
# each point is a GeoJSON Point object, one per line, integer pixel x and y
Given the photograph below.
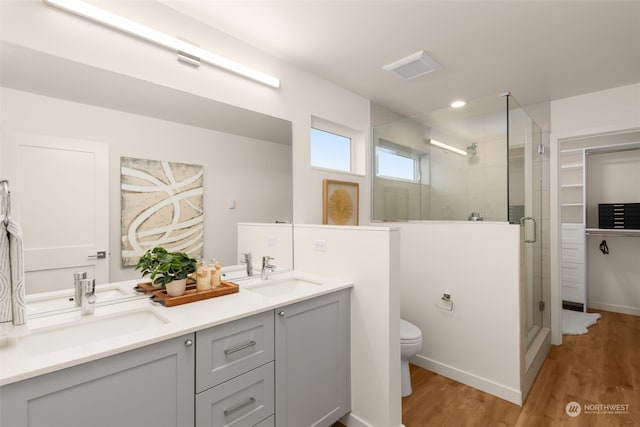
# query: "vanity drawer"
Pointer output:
{"type": "Point", "coordinates": [244, 401]}
{"type": "Point", "coordinates": [228, 350]}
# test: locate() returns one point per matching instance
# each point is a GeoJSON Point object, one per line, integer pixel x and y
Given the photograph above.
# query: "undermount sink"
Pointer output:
{"type": "Point", "coordinates": [276, 288]}
{"type": "Point", "coordinates": [234, 274]}
{"type": "Point", "coordinates": [90, 329]}
{"type": "Point", "coordinates": [61, 301]}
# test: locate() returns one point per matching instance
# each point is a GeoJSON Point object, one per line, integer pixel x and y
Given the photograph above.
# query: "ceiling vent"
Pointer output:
{"type": "Point", "coordinates": [413, 66]}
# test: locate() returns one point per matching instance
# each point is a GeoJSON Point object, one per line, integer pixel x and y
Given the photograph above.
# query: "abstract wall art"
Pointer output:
{"type": "Point", "coordinates": [161, 205]}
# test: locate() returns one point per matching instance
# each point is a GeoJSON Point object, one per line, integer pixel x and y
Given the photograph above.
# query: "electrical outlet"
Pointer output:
{"type": "Point", "coordinates": [272, 242]}
{"type": "Point", "coordinates": [320, 246]}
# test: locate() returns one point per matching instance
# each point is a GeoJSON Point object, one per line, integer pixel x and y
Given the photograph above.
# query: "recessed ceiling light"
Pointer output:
{"type": "Point", "coordinates": [458, 104]}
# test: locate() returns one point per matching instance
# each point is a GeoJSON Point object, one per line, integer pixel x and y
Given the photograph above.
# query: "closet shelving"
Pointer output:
{"type": "Point", "coordinates": [572, 191]}
{"type": "Point", "coordinates": [612, 232]}
{"type": "Point", "coordinates": [573, 201]}
{"type": "Point", "coordinates": [610, 149]}
{"type": "Point", "coordinates": [573, 214]}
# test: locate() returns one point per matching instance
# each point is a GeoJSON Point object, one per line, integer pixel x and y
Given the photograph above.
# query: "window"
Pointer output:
{"type": "Point", "coordinates": [401, 163]}
{"type": "Point", "coordinates": [330, 150]}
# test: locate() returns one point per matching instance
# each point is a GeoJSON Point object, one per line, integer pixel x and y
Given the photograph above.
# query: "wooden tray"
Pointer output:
{"type": "Point", "coordinates": [192, 294]}
{"type": "Point", "coordinates": [148, 288]}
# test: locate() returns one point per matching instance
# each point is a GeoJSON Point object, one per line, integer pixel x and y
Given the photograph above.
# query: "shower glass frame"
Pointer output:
{"type": "Point", "coordinates": [526, 188]}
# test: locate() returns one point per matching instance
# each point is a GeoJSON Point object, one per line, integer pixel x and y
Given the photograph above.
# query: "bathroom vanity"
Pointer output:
{"type": "Point", "coordinates": [276, 353]}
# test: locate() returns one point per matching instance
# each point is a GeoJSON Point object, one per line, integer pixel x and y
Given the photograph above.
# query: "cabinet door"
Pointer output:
{"type": "Point", "coordinates": [150, 386]}
{"type": "Point", "coordinates": [313, 361]}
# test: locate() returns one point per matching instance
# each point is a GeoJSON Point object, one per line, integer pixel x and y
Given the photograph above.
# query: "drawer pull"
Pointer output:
{"type": "Point", "coordinates": [241, 347]}
{"type": "Point", "coordinates": [230, 411]}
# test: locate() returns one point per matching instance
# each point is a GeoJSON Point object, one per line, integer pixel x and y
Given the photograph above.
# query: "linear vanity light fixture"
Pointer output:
{"type": "Point", "coordinates": [447, 147]}
{"type": "Point", "coordinates": [131, 27]}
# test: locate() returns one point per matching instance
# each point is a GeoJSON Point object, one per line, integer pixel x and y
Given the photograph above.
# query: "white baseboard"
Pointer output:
{"type": "Point", "coordinates": [499, 390]}
{"type": "Point", "coordinates": [351, 420]}
{"type": "Point", "coordinates": [615, 308]}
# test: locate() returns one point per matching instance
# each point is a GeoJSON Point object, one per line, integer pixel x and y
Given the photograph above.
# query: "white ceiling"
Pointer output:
{"type": "Point", "coordinates": [537, 50]}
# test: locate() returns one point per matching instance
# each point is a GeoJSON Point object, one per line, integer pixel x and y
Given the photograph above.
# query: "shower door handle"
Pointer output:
{"type": "Point", "coordinates": [522, 222]}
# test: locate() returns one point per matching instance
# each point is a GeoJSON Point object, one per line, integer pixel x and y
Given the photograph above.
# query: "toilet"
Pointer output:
{"type": "Point", "coordinates": [410, 345]}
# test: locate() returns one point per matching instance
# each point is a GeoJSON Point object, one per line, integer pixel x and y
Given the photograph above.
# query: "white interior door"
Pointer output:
{"type": "Point", "coordinates": [60, 198]}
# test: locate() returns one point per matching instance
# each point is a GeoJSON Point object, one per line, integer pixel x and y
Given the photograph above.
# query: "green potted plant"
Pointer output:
{"type": "Point", "coordinates": [167, 269]}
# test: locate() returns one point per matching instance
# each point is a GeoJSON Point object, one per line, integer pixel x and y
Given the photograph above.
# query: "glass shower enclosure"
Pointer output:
{"type": "Point", "coordinates": [525, 205]}
{"type": "Point", "coordinates": [481, 162]}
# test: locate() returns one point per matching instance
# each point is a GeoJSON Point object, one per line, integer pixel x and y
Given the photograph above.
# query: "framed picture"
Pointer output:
{"type": "Point", "coordinates": [161, 205]}
{"type": "Point", "coordinates": [340, 202]}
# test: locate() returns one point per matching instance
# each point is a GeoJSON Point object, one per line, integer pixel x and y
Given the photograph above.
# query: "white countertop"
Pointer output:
{"type": "Point", "coordinates": [19, 362]}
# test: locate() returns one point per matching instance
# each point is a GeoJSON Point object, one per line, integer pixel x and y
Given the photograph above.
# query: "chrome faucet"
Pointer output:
{"type": "Point", "coordinates": [77, 277]}
{"type": "Point", "coordinates": [88, 296]}
{"type": "Point", "coordinates": [266, 267]}
{"type": "Point", "coordinates": [247, 260]}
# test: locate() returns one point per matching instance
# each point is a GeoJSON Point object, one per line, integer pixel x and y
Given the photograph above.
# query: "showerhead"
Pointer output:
{"type": "Point", "coordinates": [472, 148]}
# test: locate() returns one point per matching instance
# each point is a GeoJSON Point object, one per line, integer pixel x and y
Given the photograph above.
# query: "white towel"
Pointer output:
{"type": "Point", "coordinates": [13, 316]}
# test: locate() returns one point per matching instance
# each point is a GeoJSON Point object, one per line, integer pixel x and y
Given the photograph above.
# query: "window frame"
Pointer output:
{"type": "Point", "coordinates": [331, 132]}
{"type": "Point", "coordinates": [358, 147]}
{"type": "Point", "coordinates": [420, 162]}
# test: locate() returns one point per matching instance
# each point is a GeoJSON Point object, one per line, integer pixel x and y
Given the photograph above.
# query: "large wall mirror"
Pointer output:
{"type": "Point", "coordinates": [62, 120]}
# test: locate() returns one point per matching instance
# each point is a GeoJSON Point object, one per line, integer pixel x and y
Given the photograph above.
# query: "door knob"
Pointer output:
{"type": "Point", "coordinates": [99, 255]}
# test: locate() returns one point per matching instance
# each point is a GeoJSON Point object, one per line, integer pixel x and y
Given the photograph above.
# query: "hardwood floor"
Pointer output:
{"type": "Point", "coordinates": [599, 368]}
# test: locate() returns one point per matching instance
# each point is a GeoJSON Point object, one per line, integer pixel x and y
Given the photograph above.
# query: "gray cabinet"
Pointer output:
{"type": "Point", "coordinates": [253, 372]}
{"type": "Point", "coordinates": [235, 373]}
{"type": "Point", "coordinates": [150, 386]}
{"type": "Point", "coordinates": [313, 360]}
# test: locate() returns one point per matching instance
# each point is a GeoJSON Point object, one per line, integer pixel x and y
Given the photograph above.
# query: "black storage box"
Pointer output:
{"type": "Point", "coordinates": [619, 215]}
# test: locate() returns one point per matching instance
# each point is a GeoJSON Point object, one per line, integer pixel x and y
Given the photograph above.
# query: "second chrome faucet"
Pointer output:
{"type": "Point", "coordinates": [88, 296]}
{"type": "Point", "coordinates": [266, 267]}
{"type": "Point", "coordinates": [246, 259]}
{"type": "Point", "coordinates": [85, 292]}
